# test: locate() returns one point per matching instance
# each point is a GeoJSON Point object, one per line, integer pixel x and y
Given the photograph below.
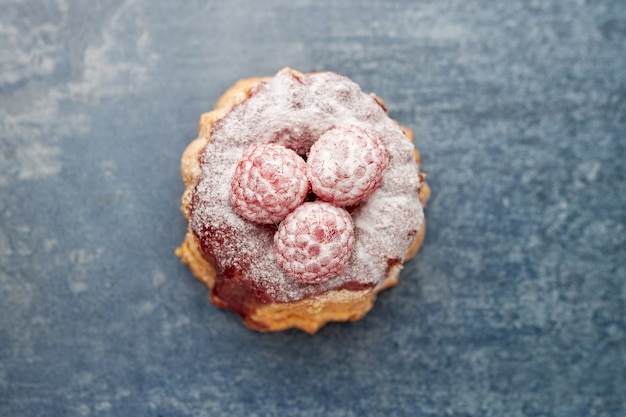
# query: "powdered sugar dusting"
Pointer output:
{"type": "Point", "coordinates": [295, 111]}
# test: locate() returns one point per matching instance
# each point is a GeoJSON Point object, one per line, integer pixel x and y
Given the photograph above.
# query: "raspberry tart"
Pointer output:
{"type": "Point", "coordinates": [303, 198]}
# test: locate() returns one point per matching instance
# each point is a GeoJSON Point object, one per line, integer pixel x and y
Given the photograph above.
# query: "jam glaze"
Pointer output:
{"type": "Point", "coordinates": [294, 110]}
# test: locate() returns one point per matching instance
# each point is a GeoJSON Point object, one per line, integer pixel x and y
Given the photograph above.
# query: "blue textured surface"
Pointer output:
{"type": "Point", "coordinates": [514, 307]}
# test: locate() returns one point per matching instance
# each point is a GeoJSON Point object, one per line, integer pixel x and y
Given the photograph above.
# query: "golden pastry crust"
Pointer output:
{"type": "Point", "coordinates": [308, 314]}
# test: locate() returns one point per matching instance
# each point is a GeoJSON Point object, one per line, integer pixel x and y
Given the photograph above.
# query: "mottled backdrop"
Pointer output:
{"type": "Point", "coordinates": [514, 307]}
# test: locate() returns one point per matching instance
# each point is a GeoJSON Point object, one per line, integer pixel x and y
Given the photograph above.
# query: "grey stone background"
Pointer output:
{"type": "Point", "coordinates": [514, 307]}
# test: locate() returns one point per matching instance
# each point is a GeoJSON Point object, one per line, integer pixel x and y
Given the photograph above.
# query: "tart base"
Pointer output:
{"type": "Point", "coordinates": [308, 314]}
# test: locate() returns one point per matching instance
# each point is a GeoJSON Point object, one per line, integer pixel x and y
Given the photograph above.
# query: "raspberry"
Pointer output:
{"type": "Point", "coordinates": [269, 182]}
{"type": "Point", "coordinates": [346, 165]}
{"type": "Point", "coordinates": [314, 242]}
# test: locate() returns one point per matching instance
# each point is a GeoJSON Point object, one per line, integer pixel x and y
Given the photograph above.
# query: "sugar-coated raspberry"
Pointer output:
{"type": "Point", "coordinates": [346, 165]}
{"type": "Point", "coordinates": [314, 242]}
{"type": "Point", "coordinates": [269, 182]}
